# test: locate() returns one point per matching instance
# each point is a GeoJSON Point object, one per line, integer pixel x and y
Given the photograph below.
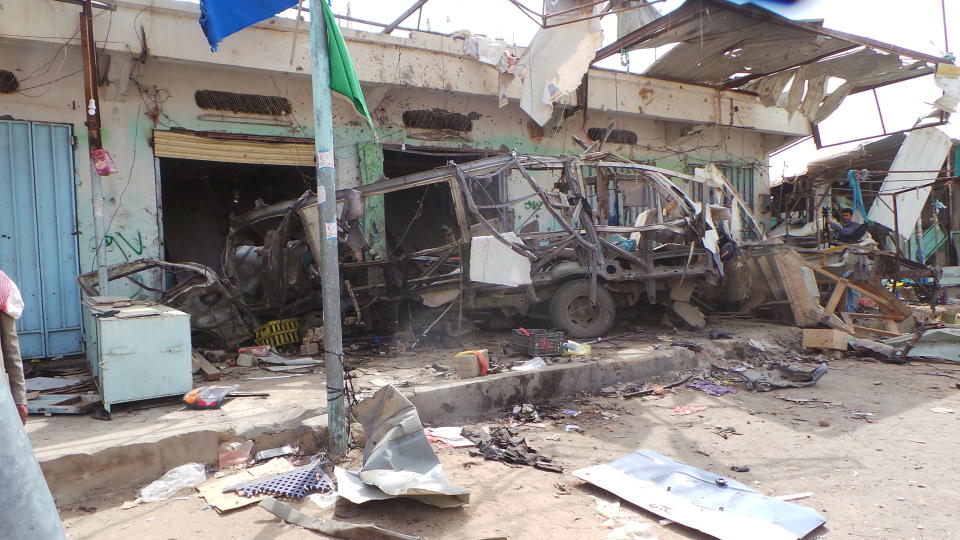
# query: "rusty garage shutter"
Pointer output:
{"type": "Point", "coordinates": [233, 147]}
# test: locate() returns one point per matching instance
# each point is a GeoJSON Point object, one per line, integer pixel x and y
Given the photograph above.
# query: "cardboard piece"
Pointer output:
{"type": "Point", "coordinates": [212, 489]}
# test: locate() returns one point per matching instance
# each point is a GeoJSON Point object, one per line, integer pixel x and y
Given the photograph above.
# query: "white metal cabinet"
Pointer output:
{"type": "Point", "coordinates": [140, 352]}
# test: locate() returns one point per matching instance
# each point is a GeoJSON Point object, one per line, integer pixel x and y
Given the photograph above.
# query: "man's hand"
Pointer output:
{"type": "Point", "coordinates": [22, 409]}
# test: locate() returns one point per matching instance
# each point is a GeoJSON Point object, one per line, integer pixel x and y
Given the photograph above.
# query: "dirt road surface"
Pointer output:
{"type": "Point", "coordinates": [879, 462]}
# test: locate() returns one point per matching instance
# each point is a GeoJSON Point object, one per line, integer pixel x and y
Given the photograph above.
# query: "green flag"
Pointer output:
{"type": "Point", "coordinates": [343, 78]}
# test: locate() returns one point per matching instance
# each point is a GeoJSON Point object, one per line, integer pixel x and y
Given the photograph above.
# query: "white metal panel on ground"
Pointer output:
{"type": "Point", "coordinates": [923, 150]}
{"type": "Point", "coordinates": [259, 150]}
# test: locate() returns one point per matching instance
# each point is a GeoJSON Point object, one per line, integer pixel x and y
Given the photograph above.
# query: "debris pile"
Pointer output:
{"type": "Point", "coordinates": [504, 444]}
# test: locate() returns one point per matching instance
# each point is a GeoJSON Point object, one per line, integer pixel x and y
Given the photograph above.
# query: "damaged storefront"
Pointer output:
{"type": "Point", "coordinates": [579, 273]}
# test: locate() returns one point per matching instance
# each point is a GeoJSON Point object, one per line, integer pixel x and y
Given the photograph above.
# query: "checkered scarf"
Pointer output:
{"type": "Point", "coordinates": [11, 302]}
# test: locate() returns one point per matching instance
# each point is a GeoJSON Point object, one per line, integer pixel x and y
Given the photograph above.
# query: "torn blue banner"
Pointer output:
{"type": "Point", "coordinates": [220, 18]}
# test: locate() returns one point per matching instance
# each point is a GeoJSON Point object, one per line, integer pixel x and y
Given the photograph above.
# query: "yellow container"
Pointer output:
{"type": "Point", "coordinates": [279, 332]}
{"type": "Point", "coordinates": [471, 363]}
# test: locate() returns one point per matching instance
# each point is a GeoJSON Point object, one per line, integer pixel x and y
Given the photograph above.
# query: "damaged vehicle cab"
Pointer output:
{"type": "Point", "coordinates": [443, 239]}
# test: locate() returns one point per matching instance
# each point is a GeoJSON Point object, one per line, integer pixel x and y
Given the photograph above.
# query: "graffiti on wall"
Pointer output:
{"type": "Point", "coordinates": [120, 242]}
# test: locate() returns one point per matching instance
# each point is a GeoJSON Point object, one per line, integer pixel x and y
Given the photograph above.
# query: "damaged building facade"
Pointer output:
{"type": "Point", "coordinates": [200, 137]}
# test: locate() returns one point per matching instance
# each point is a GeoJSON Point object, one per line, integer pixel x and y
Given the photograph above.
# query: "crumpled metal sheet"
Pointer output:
{"type": "Point", "coordinates": [330, 527]}
{"type": "Point", "coordinates": [775, 375]}
{"type": "Point", "coordinates": [398, 460]}
{"type": "Point", "coordinates": [710, 503]}
{"type": "Point", "coordinates": [937, 343]}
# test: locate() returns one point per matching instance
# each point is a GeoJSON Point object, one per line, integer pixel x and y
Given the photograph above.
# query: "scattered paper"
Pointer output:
{"type": "Point", "coordinates": [943, 410]}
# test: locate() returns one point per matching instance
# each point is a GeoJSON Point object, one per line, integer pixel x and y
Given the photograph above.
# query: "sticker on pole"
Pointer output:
{"type": "Point", "coordinates": [321, 196]}
{"type": "Point", "coordinates": [325, 159]}
{"type": "Point", "coordinates": [331, 229]}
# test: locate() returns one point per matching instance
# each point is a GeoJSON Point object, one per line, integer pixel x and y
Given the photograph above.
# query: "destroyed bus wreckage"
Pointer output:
{"type": "Point", "coordinates": [444, 245]}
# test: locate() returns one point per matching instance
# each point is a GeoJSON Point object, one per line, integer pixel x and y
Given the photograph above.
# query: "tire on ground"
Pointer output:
{"type": "Point", "coordinates": [571, 311]}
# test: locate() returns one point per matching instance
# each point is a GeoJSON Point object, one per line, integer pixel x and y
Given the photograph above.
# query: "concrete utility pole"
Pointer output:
{"type": "Point", "coordinates": [91, 101]}
{"type": "Point", "coordinates": [329, 256]}
{"type": "Point", "coordinates": [28, 508]}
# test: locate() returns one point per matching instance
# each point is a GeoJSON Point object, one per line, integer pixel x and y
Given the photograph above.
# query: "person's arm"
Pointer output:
{"type": "Point", "coordinates": [12, 363]}
{"type": "Point", "coordinates": [848, 229]}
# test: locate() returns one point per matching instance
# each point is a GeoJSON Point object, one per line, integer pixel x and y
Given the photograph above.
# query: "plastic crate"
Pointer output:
{"type": "Point", "coordinates": [539, 342]}
{"type": "Point", "coordinates": [279, 332]}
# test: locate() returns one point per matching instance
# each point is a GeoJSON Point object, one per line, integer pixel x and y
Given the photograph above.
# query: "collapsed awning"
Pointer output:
{"type": "Point", "coordinates": [787, 62]}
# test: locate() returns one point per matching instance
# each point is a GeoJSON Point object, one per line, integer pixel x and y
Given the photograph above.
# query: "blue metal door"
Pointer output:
{"type": "Point", "coordinates": [38, 248]}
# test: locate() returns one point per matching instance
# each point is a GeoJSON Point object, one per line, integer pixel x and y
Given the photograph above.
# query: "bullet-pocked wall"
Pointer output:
{"type": "Point", "coordinates": [150, 85]}
{"type": "Point", "coordinates": [671, 145]}
{"type": "Point", "coordinates": [160, 95]}
{"type": "Point", "coordinates": [156, 96]}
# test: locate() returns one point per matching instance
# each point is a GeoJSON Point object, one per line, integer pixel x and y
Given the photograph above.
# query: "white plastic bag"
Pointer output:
{"type": "Point", "coordinates": [534, 363]}
{"type": "Point", "coordinates": [184, 476]}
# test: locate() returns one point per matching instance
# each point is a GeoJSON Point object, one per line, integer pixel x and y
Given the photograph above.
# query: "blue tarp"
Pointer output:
{"type": "Point", "coordinates": [220, 18]}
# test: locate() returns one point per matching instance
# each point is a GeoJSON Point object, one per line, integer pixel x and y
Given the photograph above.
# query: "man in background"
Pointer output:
{"type": "Point", "coordinates": [11, 308]}
{"type": "Point", "coordinates": [849, 231]}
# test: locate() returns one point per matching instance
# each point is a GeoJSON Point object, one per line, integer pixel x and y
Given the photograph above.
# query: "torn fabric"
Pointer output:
{"type": "Point", "coordinates": [398, 460]}
{"type": "Point", "coordinates": [947, 79]}
{"type": "Point", "coordinates": [707, 502]}
{"type": "Point", "coordinates": [554, 63]}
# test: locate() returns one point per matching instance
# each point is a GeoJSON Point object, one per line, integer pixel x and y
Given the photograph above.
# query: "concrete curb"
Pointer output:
{"type": "Point", "coordinates": [74, 478]}
{"type": "Point", "coordinates": [469, 399]}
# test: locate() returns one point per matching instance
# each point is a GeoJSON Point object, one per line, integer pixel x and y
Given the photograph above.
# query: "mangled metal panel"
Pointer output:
{"type": "Point", "coordinates": [710, 503]}
{"type": "Point", "coordinates": [923, 150]}
{"type": "Point", "coordinates": [398, 460]}
{"type": "Point", "coordinates": [724, 43]}
{"type": "Point", "coordinates": [719, 43]}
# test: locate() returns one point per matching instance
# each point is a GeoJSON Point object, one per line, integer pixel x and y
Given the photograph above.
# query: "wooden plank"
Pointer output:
{"type": "Point", "coordinates": [829, 319]}
{"type": "Point", "coordinates": [210, 372]}
{"type": "Point", "coordinates": [890, 302]}
{"type": "Point", "coordinates": [789, 264]}
{"type": "Point", "coordinates": [891, 326]}
{"type": "Point", "coordinates": [825, 338]}
{"type": "Point", "coordinates": [837, 295]}
{"type": "Point", "coordinates": [884, 333]}
{"type": "Point", "coordinates": [877, 316]}
{"type": "Point", "coordinates": [771, 279]}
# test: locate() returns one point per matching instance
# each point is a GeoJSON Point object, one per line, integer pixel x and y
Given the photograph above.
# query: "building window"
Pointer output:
{"type": "Point", "coordinates": [743, 180]}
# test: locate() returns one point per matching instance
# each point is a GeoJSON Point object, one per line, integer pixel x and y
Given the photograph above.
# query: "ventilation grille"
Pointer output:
{"type": "Point", "coordinates": [8, 82]}
{"type": "Point", "coordinates": [242, 103]}
{"type": "Point", "coordinates": [618, 136]}
{"type": "Point", "coordinates": [439, 119]}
